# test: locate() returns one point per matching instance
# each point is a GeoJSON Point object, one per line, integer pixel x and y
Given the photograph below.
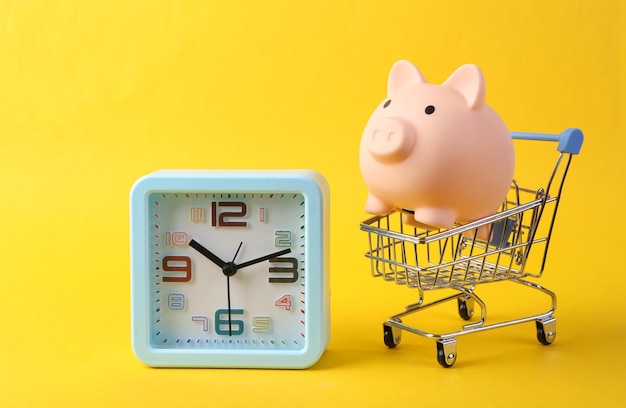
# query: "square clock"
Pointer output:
{"type": "Point", "coordinates": [230, 268]}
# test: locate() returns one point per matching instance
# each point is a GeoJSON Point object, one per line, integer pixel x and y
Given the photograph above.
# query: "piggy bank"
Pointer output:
{"type": "Point", "coordinates": [437, 152]}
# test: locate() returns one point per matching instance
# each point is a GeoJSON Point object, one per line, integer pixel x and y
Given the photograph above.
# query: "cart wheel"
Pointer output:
{"type": "Point", "coordinates": [546, 330]}
{"type": "Point", "coordinates": [391, 335]}
{"type": "Point", "coordinates": [466, 308]}
{"type": "Point", "coordinates": [446, 352]}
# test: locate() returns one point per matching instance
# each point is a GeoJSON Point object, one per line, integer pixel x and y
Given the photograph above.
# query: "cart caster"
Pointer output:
{"type": "Point", "coordinates": [466, 308]}
{"type": "Point", "coordinates": [546, 330]}
{"type": "Point", "coordinates": [446, 352]}
{"type": "Point", "coordinates": [391, 335]}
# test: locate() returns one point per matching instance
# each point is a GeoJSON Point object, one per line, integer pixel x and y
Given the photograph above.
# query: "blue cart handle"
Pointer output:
{"type": "Point", "coordinates": [570, 140]}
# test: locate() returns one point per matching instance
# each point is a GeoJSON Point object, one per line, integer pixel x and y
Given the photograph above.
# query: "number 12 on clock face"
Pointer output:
{"type": "Point", "coordinates": [230, 268]}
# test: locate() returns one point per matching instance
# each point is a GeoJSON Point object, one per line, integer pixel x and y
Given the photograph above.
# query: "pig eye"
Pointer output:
{"type": "Point", "coordinates": [429, 109]}
{"type": "Point", "coordinates": [387, 103]}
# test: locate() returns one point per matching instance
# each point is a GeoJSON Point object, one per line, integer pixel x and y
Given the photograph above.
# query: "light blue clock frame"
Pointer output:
{"type": "Point", "coordinates": [312, 186]}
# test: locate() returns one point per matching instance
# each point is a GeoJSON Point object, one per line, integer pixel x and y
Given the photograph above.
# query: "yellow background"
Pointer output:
{"type": "Point", "coordinates": [94, 95]}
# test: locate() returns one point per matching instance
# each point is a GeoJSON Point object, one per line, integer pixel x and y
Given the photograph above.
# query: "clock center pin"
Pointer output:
{"type": "Point", "coordinates": [229, 269]}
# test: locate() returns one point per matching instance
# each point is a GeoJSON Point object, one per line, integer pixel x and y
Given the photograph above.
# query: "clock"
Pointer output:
{"type": "Point", "coordinates": [230, 268]}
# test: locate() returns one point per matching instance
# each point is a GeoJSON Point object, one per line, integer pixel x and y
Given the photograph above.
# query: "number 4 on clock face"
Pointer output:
{"type": "Point", "coordinates": [284, 301]}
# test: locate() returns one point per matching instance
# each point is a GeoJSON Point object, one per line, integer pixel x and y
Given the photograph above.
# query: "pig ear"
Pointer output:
{"type": "Point", "coordinates": [403, 73]}
{"type": "Point", "coordinates": [469, 81]}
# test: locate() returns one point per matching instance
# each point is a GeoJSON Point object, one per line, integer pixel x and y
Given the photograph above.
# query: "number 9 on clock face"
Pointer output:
{"type": "Point", "coordinates": [230, 269]}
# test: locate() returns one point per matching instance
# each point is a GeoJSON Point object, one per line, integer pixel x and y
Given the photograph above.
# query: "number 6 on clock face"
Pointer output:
{"type": "Point", "coordinates": [230, 268]}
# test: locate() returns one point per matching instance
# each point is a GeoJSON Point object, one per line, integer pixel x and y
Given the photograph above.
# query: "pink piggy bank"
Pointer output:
{"type": "Point", "coordinates": [436, 151]}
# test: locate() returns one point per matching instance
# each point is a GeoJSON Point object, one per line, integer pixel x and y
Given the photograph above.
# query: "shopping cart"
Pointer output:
{"type": "Point", "coordinates": [457, 259]}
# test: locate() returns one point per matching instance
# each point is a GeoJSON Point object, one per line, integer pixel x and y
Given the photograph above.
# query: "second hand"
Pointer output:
{"type": "Point", "coordinates": [230, 325]}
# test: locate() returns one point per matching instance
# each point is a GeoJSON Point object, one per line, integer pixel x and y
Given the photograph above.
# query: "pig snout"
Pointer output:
{"type": "Point", "coordinates": [390, 139]}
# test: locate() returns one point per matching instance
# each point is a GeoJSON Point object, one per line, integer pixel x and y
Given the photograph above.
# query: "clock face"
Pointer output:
{"type": "Point", "coordinates": [230, 268]}
{"type": "Point", "coordinates": [227, 270]}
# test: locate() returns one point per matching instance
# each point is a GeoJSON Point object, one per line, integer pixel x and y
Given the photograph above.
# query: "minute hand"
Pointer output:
{"type": "Point", "coordinates": [264, 258]}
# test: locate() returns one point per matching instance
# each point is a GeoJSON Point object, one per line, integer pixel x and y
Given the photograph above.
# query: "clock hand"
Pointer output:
{"type": "Point", "coordinates": [237, 253]}
{"type": "Point", "coordinates": [230, 324]}
{"type": "Point", "coordinates": [210, 255]}
{"type": "Point", "coordinates": [263, 258]}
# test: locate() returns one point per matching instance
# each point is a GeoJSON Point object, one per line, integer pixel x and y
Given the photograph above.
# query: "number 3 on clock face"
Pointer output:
{"type": "Point", "coordinates": [230, 268]}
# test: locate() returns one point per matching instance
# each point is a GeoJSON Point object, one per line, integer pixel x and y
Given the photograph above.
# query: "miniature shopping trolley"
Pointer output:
{"type": "Point", "coordinates": [457, 259]}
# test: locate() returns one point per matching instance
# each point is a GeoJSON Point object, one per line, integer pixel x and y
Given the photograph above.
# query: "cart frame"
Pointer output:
{"type": "Point", "coordinates": [456, 259]}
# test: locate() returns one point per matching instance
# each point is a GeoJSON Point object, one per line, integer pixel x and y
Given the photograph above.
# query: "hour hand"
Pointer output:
{"type": "Point", "coordinates": [208, 254]}
{"type": "Point", "coordinates": [264, 258]}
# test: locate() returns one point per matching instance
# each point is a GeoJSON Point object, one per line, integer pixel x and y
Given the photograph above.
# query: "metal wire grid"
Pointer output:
{"type": "Point", "coordinates": [455, 258]}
